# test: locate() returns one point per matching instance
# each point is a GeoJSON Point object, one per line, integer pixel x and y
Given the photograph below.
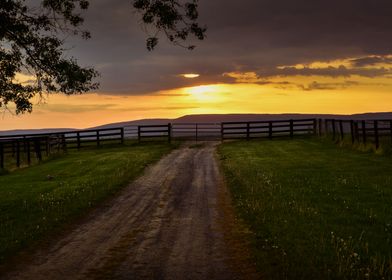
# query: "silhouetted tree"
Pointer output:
{"type": "Point", "coordinates": [30, 44]}
{"type": "Point", "coordinates": [175, 19]}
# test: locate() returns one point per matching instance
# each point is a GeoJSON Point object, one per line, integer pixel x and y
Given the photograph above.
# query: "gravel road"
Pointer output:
{"type": "Point", "coordinates": [171, 223]}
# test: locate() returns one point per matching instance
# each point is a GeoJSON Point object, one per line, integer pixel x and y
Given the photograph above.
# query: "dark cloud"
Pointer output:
{"type": "Point", "coordinates": [327, 86]}
{"type": "Point", "coordinates": [363, 25]}
{"type": "Point", "coordinates": [330, 71]}
{"type": "Point", "coordinates": [306, 87]}
{"type": "Point", "coordinates": [250, 35]}
{"type": "Point", "coordinates": [371, 61]}
{"type": "Point", "coordinates": [70, 108]}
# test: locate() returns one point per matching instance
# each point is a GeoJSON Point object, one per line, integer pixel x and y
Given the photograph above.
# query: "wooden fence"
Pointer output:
{"type": "Point", "coordinates": [22, 149]}
{"type": "Point", "coordinates": [27, 149]}
{"type": "Point", "coordinates": [181, 131]}
{"type": "Point", "coordinates": [154, 131]}
{"type": "Point", "coordinates": [268, 129]}
{"type": "Point", "coordinates": [77, 138]}
{"type": "Point", "coordinates": [361, 131]}
{"type": "Point", "coordinates": [226, 130]}
{"type": "Point", "coordinates": [196, 131]}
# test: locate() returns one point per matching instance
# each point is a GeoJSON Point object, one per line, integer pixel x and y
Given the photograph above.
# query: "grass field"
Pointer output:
{"type": "Point", "coordinates": [314, 210]}
{"type": "Point", "coordinates": [38, 201]}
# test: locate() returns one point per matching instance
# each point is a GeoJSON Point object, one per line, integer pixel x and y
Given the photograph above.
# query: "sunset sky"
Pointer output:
{"type": "Point", "coordinates": [260, 56]}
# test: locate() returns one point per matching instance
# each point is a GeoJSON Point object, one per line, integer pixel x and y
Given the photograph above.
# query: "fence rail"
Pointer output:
{"type": "Point", "coordinates": [181, 131]}
{"type": "Point", "coordinates": [268, 129]}
{"type": "Point", "coordinates": [154, 131]}
{"type": "Point", "coordinates": [196, 131]}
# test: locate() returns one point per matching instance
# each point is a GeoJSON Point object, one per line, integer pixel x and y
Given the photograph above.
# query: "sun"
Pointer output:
{"type": "Point", "coordinates": [190, 75]}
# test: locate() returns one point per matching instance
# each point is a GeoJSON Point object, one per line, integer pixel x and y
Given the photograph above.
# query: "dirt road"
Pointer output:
{"type": "Point", "coordinates": [168, 224]}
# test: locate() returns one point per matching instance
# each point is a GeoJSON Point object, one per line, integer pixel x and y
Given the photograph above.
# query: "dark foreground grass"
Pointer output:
{"type": "Point", "coordinates": [38, 201]}
{"type": "Point", "coordinates": [316, 211]}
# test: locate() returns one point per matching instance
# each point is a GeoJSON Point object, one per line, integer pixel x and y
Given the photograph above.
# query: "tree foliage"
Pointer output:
{"type": "Point", "coordinates": [30, 44]}
{"type": "Point", "coordinates": [175, 19]}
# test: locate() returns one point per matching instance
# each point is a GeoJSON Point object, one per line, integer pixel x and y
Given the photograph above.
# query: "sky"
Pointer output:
{"type": "Point", "coordinates": [260, 56]}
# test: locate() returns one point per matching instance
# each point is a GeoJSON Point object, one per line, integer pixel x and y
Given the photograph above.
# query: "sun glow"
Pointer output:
{"type": "Point", "coordinates": [299, 94]}
{"type": "Point", "coordinates": [206, 93]}
{"type": "Point", "coordinates": [202, 89]}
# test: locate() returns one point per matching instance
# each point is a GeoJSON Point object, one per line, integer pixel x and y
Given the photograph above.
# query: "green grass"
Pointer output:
{"type": "Point", "coordinates": [10, 159]}
{"type": "Point", "coordinates": [315, 210]}
{"type": "Point", "coordinates": [39, 201]}
{"type": "Point", "coordinates": [385, 143]}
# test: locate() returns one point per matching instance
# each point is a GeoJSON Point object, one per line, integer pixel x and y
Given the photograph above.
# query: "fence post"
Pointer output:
{"type": "Point", "coordinates": [356, 128]}
{"type": "Point", "coordinates": [390, 128]}
{"type": "Point", "coordinates": [47, 145]}
{"type": "Point", "coordinates": [64, 142]}
{"type": "Point", "coordinates": [352, 131]}
{"type": "Point", "coordinates": [326, 127]}
{"type": "Point", "coordinates": [28, 152]}
{"type": "Point", "coordinates": [291, 128]}
{"type": "Point", "coordinates": [78, 139]}
{"type": "Point", "coordinates": [341, 129]}
{"type": "Point", "coordinates": [37, 147]}
{"type": "Point", "coordinates": [24, 143]}
{"type": "Point", "coordinates": [58, 143]}
{"type": "Point", "coordinates": [222, 132]}
{"type": "Point", "coordinates": [169, 132]}
{"type": "Point", "coordinates": [122, 135]}
{"type": "Point", "coordinates": [270, 130]}
{"type": "Point", "coordinates": [98, 143]}
{"type": "Point", "coordinates": [138, 133]}
{"type": "Point", "coordinates": [1, 156]}
{"type": "Point", "coordinates": [50, 144]}
{"type": "Point", "coordinates": [364, 132]}
{"type": "Point", "coordinates": [333, 130]}
{"type": "Point", "coordinates": [376, 138]}
{"type": "Point", "coordinates": [320, 127]}
{"type": "Point", "coordinates": [197, 132]}
{"type": "Point", "coordinates": [315, 122]}
{"type": "Point", "coordinates": [17, 153]}
{"type": "Point", "coordinates": [13, 148]}
{"type": "Point", "coordinates": [247, 131]}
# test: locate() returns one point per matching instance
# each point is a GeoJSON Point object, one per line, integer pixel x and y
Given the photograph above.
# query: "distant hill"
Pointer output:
{"type": "Point", "coordinates": [211, 118]}
{"type": "Point", "coordinates": [34, 131]}
{"type": "Point", "coordinates": [110, 125]}
{"type": "Point", "coordinates": [135, 122]}
{"type": "Point", "coordinates": [217, 118]}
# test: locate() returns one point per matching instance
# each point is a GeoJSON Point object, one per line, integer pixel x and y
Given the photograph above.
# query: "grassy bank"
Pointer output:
{"type": "Point", "coordinates": [316, 211]}
{"type": "Point", "coordinates": [38, 201]}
